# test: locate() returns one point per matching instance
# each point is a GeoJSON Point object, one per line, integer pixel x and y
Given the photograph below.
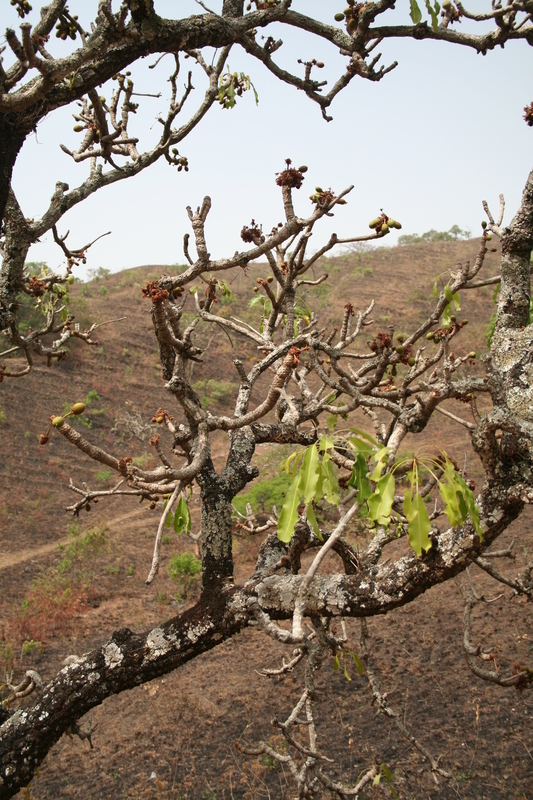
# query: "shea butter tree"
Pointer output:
{"type": "Point", "coordinates": [305, 382]}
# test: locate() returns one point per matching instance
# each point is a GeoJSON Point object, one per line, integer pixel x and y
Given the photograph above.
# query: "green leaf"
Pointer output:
{"type": "Point", "coordinates": [289, 512]}
{"type": "Point", "coordinates": [468, 498]}
{"type": "Point", "coordinates": [448, 293]}
{"type": "Point", "coordinates": [433, 14]}
{"type": "Point", "coordinates": [257, 300]}
{"type": "Point", "coordinates": [168, 520]}
{"type": "Point", "coordinates": [419, 524]}
{"type": "Point", "coordinates": [459, 499]}
{"type": "Point", "coordinates": [331, 421]}
{"type": "Point", "coordinates": [309, 472]}
{"type": "Point", "coordinates": [312, 521]}
{"type": "Point", "coordinates": [292, 463]}
{"type": "Point", "coordinates": [388, 774]}
{"type": "Point", "coordinates": [457, 301]}
{"type": "Point", "coordinates": [359, 480]}
{"type": "Point", "coordinates": [463, 508]}
{"type": "Point", "coordinates": [336, 663]}
{"type": "Point", "coordinates": [346, 673]}
{"type": "Point", "coordinates": [358, 663]}
{"type": "Point", "coordinates": [319, 491]}
{"type": "Point", "coordinates": [377, 778]}
{"type": "Point", "coordinates": [255, 93]}
{"type": "Point", "coordinates": [451, 509]}
{"type": "Point", "coordinates": [415, 13]}
{"type": "Point", "coordinates": [380, 502]}
{"type": "Point", "coordinates": [496, 293]}
{"type": "Point", "coordinates": [286, 463]}
{"type": "Point", "coordinates": [435, 289]}
{"type": "Point", "coordinates": [359, 445]}
{"type": "Point", "coordinates": [408, 505]}
{"type": "Point", "coordinates": [365, 435]}
{"type": "Point", "coordinates": [381, 458]}
{"type": "Point", "coordinates": [182, 517]}
{"type": "Point", "coordinates": [325, 443]}
{"type": "Point", "coordinates": [446, 319]}
{"type": "Point", "coordinates": [330, 487]}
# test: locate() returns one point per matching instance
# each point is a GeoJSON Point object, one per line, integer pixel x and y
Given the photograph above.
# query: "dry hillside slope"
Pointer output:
{"type": "Point", "coordinates": [174, 738]}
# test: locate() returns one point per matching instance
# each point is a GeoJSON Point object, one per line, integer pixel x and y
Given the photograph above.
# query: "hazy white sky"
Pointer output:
{"type": "Point", "coordinates": [434, 138]}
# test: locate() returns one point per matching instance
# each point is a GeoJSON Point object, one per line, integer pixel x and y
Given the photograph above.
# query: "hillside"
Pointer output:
{"type": "Point", "coordinates": [182, 727]}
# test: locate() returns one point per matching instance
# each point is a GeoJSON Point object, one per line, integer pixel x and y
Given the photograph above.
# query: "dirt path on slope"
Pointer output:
{"type": "Point", "coordinates": [13, 559]}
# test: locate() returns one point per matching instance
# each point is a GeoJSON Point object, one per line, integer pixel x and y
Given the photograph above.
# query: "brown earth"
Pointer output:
{"type": "Point", "coordinates": [174, 738]}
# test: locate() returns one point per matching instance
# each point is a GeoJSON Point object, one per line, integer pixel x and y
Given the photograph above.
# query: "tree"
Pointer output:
{"type": "Point", "coordinates": [303, 383]}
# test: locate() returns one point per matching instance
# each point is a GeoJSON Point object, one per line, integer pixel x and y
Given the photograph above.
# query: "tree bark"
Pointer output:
{"type": "Point", "coordinates": [12, 137]}
{"type": "Point", "coordinates": [512, 345]}
{"type": "Point", "coordinates": [126, 661]}
{"type": "Point", "coordinates": [17, 243]}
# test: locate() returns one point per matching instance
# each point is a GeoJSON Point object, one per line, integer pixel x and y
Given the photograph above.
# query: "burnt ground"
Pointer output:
{"type": "Point", "coordinates": [182, 729]}
{"type": "Point", "coordinates": [175, 737]}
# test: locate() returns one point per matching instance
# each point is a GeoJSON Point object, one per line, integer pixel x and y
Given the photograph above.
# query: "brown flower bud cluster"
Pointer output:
{"type": "Point", "coordinates": [382, 342]}
{"type": "Point", "coordinates": [152, 290]}
{"type": "Point", "coordinates": [251, 233]}
{"type": "Point", "coordinates": [262, 5]}
{"type": "Point", "coordinates": [291, 177]}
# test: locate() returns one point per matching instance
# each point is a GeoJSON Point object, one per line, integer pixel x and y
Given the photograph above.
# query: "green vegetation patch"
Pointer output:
{"type": "Point", "coordinates": [264, 494]}
{"type": "Point", "coordinates": [212, 392]}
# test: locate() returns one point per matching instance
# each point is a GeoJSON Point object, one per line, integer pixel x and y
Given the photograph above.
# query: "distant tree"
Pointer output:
{"type": "Point", "coordinates": [98, 274]}
{"type": "Point", "coordinates": [315, 378]}
{"type": "Point", "coordinates": [453, 235]}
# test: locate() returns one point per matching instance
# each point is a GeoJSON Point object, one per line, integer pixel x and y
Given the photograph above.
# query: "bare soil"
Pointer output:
{"type": "Point", "coordinates": [175, 737]}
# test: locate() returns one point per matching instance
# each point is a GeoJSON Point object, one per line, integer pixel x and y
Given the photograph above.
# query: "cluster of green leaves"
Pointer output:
{"type": "Point", "coordinates": [343, 656]}
{"type": "Point", "coordinates": [376, 494]}
{"type": "Point", "coordinates": [446, 317]}
{"type": "Point", "coordinates": [228, 295]}
{"type": "Point", "coordinates": [231, 86]}
{"type": "Point", "coordinates": [314, 479]}
{"type": "Point", "coordinates": [433, 11]}
{"type": "Point", "coordinates": [180, 518]}
{"type": "Point", "coordinates": [301, 311]}
{"type": "Point", "coordinates": [266, 307]}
